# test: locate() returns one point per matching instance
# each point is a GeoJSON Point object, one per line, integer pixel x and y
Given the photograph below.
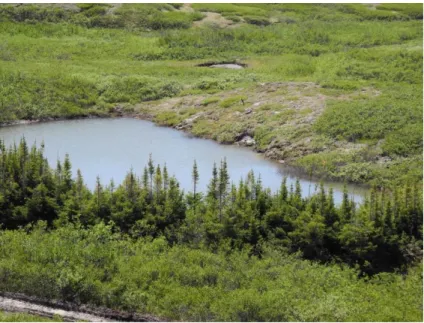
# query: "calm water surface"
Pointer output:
{"type": "Point", "coordinates": [110, 147]}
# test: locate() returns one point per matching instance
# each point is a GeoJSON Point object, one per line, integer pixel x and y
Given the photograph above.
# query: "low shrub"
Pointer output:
{"type": "Point", "coordinates": [210, 100]}
{"type": "Point", "coordinates": [177, 5]}
{"type": "Point", "coordinates": [187, 284]}
{"type": "Point", "coordinates": [135, 89]}
{"type": "Point", "coordinates": [228, 102]}
{"type": "Point", "coordinates": [263, 136]}
{"type": "Point", "coordinates": [259, 21]}
{"type": "Point", "coordinates": [407, 141]}
{"type": "Point", "coordinates": [168, 118]}
{"type": "Point", "coordinates": [370, 118]}
{"type": "Point", "coordinates": [233, 18]}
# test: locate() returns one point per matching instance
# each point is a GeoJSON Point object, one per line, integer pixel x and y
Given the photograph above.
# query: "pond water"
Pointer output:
{"type": "Point", "coordinates": [110, 147]}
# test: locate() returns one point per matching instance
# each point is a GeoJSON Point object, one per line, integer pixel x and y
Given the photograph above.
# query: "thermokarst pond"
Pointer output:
{"type": "Point", "coordinates": [109, 148]}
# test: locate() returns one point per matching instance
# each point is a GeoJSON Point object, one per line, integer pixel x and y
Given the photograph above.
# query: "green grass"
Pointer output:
{"type": "Point", "coordinates": [234, 9]}
{"type": "Point", "coordinates": [168, 118]}
{"type": "Point", "coordinates": [372, 118]}
{"type": "Point", "coordinates": [21, 317]}
{"type": "Point", "coordinates": [210, 100]}
{"type": "Point", "coordinates": [414, 11]}
{"type": "Point", "coordinates": [60, 62]}
{"type": "Point", "coordinates": [232, 101]}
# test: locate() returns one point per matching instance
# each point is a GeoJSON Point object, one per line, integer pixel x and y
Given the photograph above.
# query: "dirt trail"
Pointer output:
{"type": "Point", "coordinates": [69, 312]}
{"type": "Point", "coordinates": [187, 8]}
{"type": "Point", "coordinates": [13, 305]}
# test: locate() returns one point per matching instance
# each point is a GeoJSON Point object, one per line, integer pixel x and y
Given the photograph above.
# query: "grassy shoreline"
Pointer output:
{"type": "Point", "coordinates": [293, 169]}
{"type": "Point", "coordinates": [351, 110]}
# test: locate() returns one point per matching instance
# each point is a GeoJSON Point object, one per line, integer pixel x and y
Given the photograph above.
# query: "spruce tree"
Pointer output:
{"type": "Point", "coordinates": [388, 219]}
{"type": "Point", "coordinates": [98, 194]}
{"type": "Point", "coordinates": [330, 216]}
{"type": "Point", "coordinates": [223, 182]}
{"type": "Point", "coordinates": [79, 185]}
{"type": "Point", "coordinates": [67, 174]}
{"type": "Point", "coordinates": [112, 186]}
{"type": "Point", "coordinates": [165, 178]}
{"type": "Point", "coordinates": [298, 191]}
{"type": "Point", "coordinates": [145, 178]}
{"type": "Point", "coordinates": [158, 181]}
{"type": "Point", "coordinates": [346, 207]}
{"type": "Point", "coordinates": [195, 178]}
{"type": "Point", "coordinates": [58, 181]}
{"type": "Point", "coordinates": [151, 169]}
{"type": "Point", "coordinates": [283, 190]}
{"type": "Point", "coordinates": [213, 185]}
{"type": "Point", "coordinates": [212, 193]}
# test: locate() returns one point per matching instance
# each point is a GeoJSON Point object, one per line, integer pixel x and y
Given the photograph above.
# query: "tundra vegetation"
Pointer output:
{"type": "Point", "coordinates": [334, 89]}
{"type": "Point", "coordinates": [342, 82]}
{"type": "Point", "coordinates": [234, 253]}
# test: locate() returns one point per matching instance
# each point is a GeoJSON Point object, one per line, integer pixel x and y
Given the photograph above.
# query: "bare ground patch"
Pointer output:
{"type": "Point", "coordinates": [213, 19]}
{"type": "Point", "coordinates": [69, 312]}
{"type": "Point", "coordinates": [273, 118]}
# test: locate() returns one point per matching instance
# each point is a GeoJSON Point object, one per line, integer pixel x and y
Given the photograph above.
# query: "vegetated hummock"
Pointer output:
{"type": "Point", "coordinates": [234, 253]}
{"type": "Point", "coordinates": [334, 89]}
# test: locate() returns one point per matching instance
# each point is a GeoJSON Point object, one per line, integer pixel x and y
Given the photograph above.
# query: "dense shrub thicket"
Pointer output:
{"type": "Point", "coordinates": [233, 253]}
{"type": "Point", "coordinates": [101, 267]}
{"type": "Point", "coordinates": [376, 236]}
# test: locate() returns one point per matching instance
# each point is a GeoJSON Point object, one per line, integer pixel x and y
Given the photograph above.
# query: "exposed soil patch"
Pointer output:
{"type": "Point", "coordinates": [225, 64]}
{"type": "Point", "coordinates": [213, 19]}
{"type": "Point", "coordinates": [113, 8]}
{"type": "Point", "coordinates": [186, 7]}
{"type": "Point", "coordinates": [372, 6]}
{"type": "Point", "coordinates": [229, 66]}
